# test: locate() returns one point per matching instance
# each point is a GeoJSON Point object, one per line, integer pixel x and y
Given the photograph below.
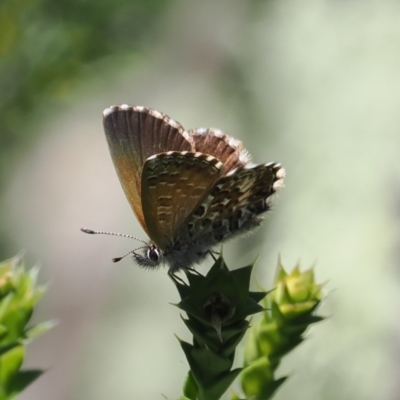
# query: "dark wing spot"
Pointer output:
{"type": "Point", "coordinates": [200, 211]}
{"type": "Point", "coordinates": [206, 223]}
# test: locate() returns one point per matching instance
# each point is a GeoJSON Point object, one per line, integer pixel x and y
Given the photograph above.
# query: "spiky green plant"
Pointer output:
{"type": "Point", "coordinates": [290, 310]}
{"type": "Point", "coordinates": [217, 306]}
{"type": "Point", "coordinates": [19, 295]}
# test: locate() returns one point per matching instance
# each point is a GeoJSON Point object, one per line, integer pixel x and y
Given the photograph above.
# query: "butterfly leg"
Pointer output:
{"type": "Point", "coordinates": [212, 254]}
{"type": "Point", "coordinates": [193, 271]}
{"type": "Point", "coordinates": [176, 278]}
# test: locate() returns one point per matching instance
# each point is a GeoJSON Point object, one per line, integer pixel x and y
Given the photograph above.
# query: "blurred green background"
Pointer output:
{"type": "Point", "coordinates": [312, 84]}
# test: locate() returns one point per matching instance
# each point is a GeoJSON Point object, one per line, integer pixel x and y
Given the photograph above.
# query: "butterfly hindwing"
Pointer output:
{"type": "Point", "coordinates": [235, 202]}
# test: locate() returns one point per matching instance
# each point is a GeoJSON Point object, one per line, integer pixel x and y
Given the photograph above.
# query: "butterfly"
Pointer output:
{"type": "Point", "coordinates": [190, 190]}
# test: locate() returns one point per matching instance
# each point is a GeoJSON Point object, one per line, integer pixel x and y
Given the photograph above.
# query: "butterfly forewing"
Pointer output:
{"type": "Point", "coordinates": [134, 134]}
{"type": "Point", "coordinates": [173, 186]}
{"type": "Point", "coordinates": [217, 143]}
{"type": "Point", "coordinates": [235, 200]}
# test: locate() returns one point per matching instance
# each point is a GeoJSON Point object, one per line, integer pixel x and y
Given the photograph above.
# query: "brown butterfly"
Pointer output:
{"type": "Point", "coordinates": [190, 190]}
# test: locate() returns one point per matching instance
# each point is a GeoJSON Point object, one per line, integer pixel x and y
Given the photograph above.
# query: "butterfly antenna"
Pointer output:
{"type": "Point", "coordinates": [92, 232]}
{"type": "Point", "coordinates": [117, 259]}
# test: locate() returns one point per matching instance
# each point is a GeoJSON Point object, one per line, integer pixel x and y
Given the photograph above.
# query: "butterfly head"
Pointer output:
{"type": "Point", "coordinates": [151, 258]}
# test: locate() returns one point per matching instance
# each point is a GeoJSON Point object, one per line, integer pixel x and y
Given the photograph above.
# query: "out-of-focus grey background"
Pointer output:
{"type": "Point", "coordinates": [312, 84]}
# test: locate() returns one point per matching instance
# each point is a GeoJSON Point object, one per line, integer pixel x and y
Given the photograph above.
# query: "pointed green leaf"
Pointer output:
{"type": "Point", "coordinates": [22, 380]}
{"type": "Point", "coordinates": [39, 329]}
{"type": "Point", "coordinates": [257, 296]}
{"type": "Point", "coordinates": [216, 268]}
{"type": "Point", "coordinates": [205, 364]}
{"type": "Point", "coordinates": [4, 304]}
{"type": "Point", "coordinates": [191, 308]}
{"type": "Point", "coordinates": [190, 388]}
{"type": "Point", "coordinates": [244, 310]}
{"type": "Point", "coordinates": [284, 349]}
{"type": "Point", "coordinates": [3, 332]}
{"type": "Point", "coordinates": [208, 337]}
{"type": "Point", "coordinates": [242, 278]}
{"type": "Point", "coordinates": [257, 378]}
{"type": "Point", "coordinates": [216, 390]}
{"type": "Point", "coordinates": [10, 363]}
{"type": "Point", "coordinates": [197, 283]}
{"type": "Point", "coordinates": [230, 345]}
{"type": "Point", "coordinates": [280, 272]}
{"type": "Point", "coordinates": [183, 290]}
{"type": "Point", "coordinates": [8, 347]}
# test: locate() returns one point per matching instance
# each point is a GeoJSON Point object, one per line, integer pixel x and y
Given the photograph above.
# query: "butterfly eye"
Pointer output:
{"type": "Point", "coordinates": [153, 254]}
